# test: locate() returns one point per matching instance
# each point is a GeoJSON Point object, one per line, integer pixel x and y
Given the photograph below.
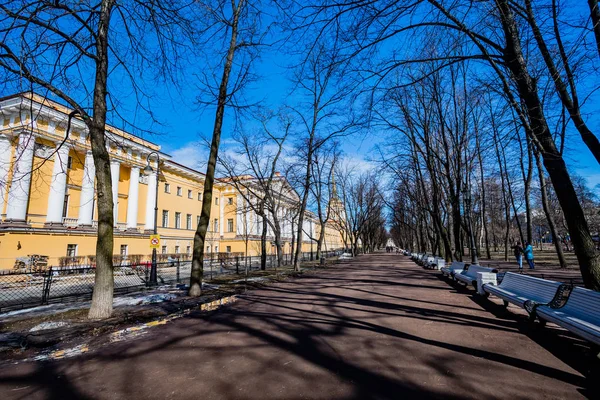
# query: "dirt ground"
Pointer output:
{"type": "Point", "coordinates": [375, 327]}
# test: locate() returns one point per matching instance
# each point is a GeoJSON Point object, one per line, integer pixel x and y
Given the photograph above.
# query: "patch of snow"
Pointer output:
{"type": "Point", "coordinates": [48, 325]}
{"type": "Point", "coordinates": [145, 299]}
{"type": "Point", "coordinates": [209, 286]}
{"type": "Point", "coordinates": [47, 309]}
{"type": "Point", "coordinates": [255, 279]}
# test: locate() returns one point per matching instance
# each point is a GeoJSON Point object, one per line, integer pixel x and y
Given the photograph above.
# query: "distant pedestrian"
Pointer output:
{"type": "Point", "coordinates": [529, 255]}
{"type": "Point", "coordinates": [519, 255]}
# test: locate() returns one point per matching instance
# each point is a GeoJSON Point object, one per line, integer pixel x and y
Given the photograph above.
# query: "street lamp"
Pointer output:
{"type": "Point", "coordinates": [473, 251]}
{"type": "Point", "coordinates": [148, 170]}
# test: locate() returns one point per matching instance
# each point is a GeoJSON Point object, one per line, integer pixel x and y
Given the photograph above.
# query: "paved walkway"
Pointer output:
{"type": "Point", "coordinates": [375, 327]}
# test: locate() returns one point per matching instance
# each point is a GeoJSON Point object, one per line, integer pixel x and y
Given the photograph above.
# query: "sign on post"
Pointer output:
{"type": "Point", "coordinates": [154, 241]}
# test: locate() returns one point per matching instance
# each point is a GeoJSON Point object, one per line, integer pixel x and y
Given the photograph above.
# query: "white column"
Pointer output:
{"type": "Point", "coordinates": [5, 154]}
{"type": "Point", "coordinates": [150, 200]}
{"type": "Point", "coordinates": [132, 200]}
{"type": "Point", "coordinates": [115, 168]}
{"type": "Point", "coordinates": [18, 195]}
{"type": "Point", "coordinates": [221, 215]}
{"type": "Point", "coordinates": [58, 185]}
{"type": "Point", "coordinates": [240, 211]}
{"type": "Point", "coordinates": [86, 202]}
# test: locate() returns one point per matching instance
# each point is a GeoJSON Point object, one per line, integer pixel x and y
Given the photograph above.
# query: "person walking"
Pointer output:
{"type": "Point", "coordinates": [519, 255]}
{"type": "Point", "coordinates": [529, 255]}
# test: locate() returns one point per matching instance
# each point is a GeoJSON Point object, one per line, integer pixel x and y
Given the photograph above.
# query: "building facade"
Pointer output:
{"type": "Point", "coordinates": [48, 198]}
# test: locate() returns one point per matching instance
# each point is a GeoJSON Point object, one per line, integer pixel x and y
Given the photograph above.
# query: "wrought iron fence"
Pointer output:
{"type": "Point", "coordinates": [64, 284]}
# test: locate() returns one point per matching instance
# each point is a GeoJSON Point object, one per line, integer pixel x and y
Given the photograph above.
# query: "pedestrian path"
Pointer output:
{"type": "Point", "coordinates": [373, 327]}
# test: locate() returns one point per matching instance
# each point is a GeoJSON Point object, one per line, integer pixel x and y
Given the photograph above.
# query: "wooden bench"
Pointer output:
{"type": "Point", "coordinates": [580, 314]}
{"type": "Point", "coordinates": [518, 289]}
{"type": "Point", "coordinates": [469, 276]}
{"type": "Point", "coordinates": [455, 267]}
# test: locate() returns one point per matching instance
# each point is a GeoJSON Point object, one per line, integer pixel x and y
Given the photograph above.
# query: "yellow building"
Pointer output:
{"type": "Point", "coordinates": [47, 195]}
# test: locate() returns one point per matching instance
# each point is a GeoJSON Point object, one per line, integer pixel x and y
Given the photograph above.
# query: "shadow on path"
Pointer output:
{"type": "Point", "coordinates": [375, 327]}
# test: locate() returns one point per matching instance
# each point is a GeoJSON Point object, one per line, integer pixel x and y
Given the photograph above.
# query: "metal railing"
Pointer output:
{"type": "Point", "coordinates": [72, 283]}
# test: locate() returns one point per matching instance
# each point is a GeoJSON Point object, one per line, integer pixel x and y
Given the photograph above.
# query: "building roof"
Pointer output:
{"type": "Point", "coordinates": [45, 101]}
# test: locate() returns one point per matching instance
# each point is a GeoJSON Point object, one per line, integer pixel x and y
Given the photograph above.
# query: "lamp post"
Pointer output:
{"type": "Point", "coordinates": [473, 251]}
{"type": "Point", "coordinates": [148, 170]}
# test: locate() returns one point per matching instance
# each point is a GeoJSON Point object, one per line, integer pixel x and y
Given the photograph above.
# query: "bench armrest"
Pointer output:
{"type": "Point", "coordinates": [561, 296]}
{"type": "Point", "coordinates": [559, 300]}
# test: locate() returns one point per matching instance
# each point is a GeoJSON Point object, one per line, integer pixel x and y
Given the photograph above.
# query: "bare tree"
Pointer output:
{"type": "Point", "coordinates": [493, 33]}
{"type": "Point", "coordinates": [324, 114]}
{"type": "Point", "coordinates": [66, 50]}
{"type": "Point", "coordinates": [323, 188]}
{"type": "Point", "coordinates": [252, 166]}
{"type": "Point", "coordinates": [237, 23]}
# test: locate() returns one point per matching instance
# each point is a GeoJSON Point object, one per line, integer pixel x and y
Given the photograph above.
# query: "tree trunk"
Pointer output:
{"type": "Point", "coordinates": [483, 204]}
{"type": "Point", "coordinates": [504, 193]}
{"type": "Point", "coordinates": [595, 15]}
{"type": "Point", "coordinates": [527, 191]}
{"type": "Point", "coordinates": [548, 213]}
{"type": "Point", "coordinates": [200, 235]}
{"type": "Point", "coordinates": [303, 206]}
{"type": "Point", "coordinates": [569, 100]}
{"type": "Point", "coordinates": [588, 258]}
{"type": "Point", "coordinates": [320, 241]}
{"type": "Point", "coordinates": [292, 244]}
{"type": "Point", "coordinates": [263, 244]}
{"type": "Point", "coordinates": [102, 297]}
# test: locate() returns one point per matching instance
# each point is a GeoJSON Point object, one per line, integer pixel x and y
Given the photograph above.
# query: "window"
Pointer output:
{"type": "Point", "coordinates": [216, 201]}
{"type": "Point", "coordinates": [230, 225]}
{"type": "Point", "coordinates": [188, 221]}
{"type": "Point", "coordinates": [176, 249]}
{"type": "Point", "coordinates": [165, 219]}
{"type": "Point", "coordinates": [189, 194]}
{"type": "Point", "coordinates": [65, 212]}
{"type": "Point", "coordinates": [71, 250]}
{"type": "Point", "coordinates": [167, 188]}
{"type": "Point", "coordinates": [69, 162]}
{"type": "Point", "coordinates": [230, 200]}
{"type": "Point", "coordinates": [177, 220]}
{"type": "Point", "coordinates": [163, 250]}
{"type": "Point", "coordinates": [188, 250]}
{"type": "Point", "coordinates": [208, 249]}
{"type": "Point", "coordinates": [199, 196]}
{"type": "Point", "coordinates": [229, 249]}
{"type": "Point", "coordinates": [197, 220]}
{"type": "Point", "coordinates": [123, 250]}
{"type": "Point", "coordinates": [178, 190]}
{"type": "Point", "coordinates": [216, 225]}
{"type": "Point", "coordinates": [216, 249]}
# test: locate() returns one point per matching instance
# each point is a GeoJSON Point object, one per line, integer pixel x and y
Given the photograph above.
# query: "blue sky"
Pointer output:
{"type": "Point", "coordinates": [182, 125]}
{"type": "Point", "coordinates": [185, 125]}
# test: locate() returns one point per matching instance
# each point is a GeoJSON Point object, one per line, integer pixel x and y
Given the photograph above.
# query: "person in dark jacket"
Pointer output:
{"type": "Point", "coordinates": [519, 255]}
